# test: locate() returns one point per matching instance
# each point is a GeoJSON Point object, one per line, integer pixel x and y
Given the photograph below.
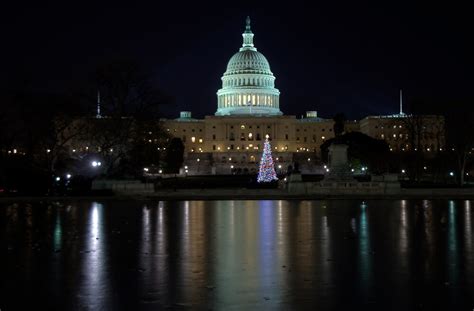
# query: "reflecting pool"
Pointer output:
{"type": "Point", "coordinates": [254, 255]}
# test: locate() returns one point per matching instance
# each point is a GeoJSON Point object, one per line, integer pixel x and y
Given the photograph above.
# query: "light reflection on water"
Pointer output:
{"type": "Point", "coordinates": [246, 254]}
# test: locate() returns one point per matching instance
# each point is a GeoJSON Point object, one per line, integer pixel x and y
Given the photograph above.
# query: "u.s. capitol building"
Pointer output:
{"type": "Point", "coordinates": [248, 109]}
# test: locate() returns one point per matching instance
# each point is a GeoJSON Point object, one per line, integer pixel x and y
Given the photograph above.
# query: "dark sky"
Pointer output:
{"type": "Point", "coordinates": [328, 56]}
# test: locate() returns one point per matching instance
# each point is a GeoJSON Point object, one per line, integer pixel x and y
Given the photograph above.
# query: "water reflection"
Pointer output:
{"type": "Point", "coordinates": [364, 254]}
{"type": "Point", "coordinates": [403, 234]}
{"type": "Point", "coordinates": [243, 254]}
{"type": "Point", "coordinates": [94, 289]}
{"type": "Point", "coordinates": [452, 244]}
{"type": "Point", "coordinates": [468, 239]}
{"type": "Point", "coordinates": [57, 232]}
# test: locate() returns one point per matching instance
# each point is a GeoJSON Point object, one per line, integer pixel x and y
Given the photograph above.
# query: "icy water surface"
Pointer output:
{"type": "Point", "coordinates": [240, 255]}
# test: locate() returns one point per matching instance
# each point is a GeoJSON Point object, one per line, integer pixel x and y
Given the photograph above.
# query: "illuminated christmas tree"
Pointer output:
{"type": "Point", "coordinates": [266, 172]}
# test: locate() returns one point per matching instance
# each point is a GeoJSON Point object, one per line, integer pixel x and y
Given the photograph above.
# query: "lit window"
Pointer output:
{"type": "Point", "coordinates": [242, 126]}
{"type": "Point", "coordinates": [193, 139]}
{"type": "Point", "coordinates": [200, 140]}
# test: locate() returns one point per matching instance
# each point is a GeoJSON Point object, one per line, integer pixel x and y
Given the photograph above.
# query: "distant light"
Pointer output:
{"type": "Point", "coordinates": [352, 170]}
{"type": "Point", "coordinates": [327, 170]}
{"type": "Point", "coordinates": [309, 159]}
{"type": "Point", "coordinates": [424, 167]}
{"type": "Point", "coordinates": [185, 167]}
{"type": "Point", "coordinates": [284, 179]}
{"type": "Point", "coordinates": [94, 164]}
{"type": "Point", "coordinates": [99, 163]}
{"type": "Point", "coordinates": [451, 174]}
{"type": "Point", "coordinates": [146, 169]}
{"type": "Point", "coordinates": [403, 171]}
{"type": "Point", "coordinates": [58, 178]}
{"type": "Point", "coordinates": [48, 150]}
{"type": "Point", "coordinates": [325, 166]}
{"type": "Point", "coordinates": [198, 159]}
{"type": "Point", "coordinates": [160, 171]}
{"type": "Point", "coordinates": [68, 176]}
{"type": "Point", "coordinates": [185, 171]}
{"type": "Point", "coordinates": [231, 166]}
{"type": "Point", "coordinates": [279, 166]}
{"type": "Point", "coordinates": [14, 150]}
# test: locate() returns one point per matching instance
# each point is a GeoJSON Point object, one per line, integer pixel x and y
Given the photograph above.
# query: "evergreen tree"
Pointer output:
{"type": "Point", "coordinates": [266, 172]}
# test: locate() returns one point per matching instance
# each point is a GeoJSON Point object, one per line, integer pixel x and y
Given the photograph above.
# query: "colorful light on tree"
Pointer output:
{"type": "Point", "coordinates": [266, 172]}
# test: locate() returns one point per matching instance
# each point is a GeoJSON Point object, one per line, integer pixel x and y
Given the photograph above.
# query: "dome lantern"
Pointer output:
{"type": "Point", "coordinates": [248, 37]}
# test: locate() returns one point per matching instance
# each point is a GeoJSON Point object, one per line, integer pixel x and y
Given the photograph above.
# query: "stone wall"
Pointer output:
{"type": "Point", "coordinates": [123, 186]}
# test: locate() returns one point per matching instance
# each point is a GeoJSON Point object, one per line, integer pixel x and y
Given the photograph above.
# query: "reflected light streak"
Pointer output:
{"type": "Point", "coordinates": [185, 233]}
{"type": "Point", "coordinates": [467, 226]}
{"type": "Point", "coordinates": [92, 290]}
{"type": "Point", "coordinates": [403, 240]}
{"type": "Point", "coordinates": [365, 262]}
{"type": "Point", "coordinates": [162, 244]}
{"type": "Point", "coordinates": [468, 238]}
{"type": "Point", "coordinates": [57, 233]}
{"type": "Point", "coordinates": [267, 248]}
{"type": "Point", "coordinates": [325, 250]}
{"type": "Point", "coordinates": [452, 246]}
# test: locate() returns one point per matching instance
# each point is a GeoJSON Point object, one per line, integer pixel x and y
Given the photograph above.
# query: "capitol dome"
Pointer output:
{"type": "Point", "coordinates": [248, 85]}
{"type": "Point", "coordinates": [248, 61]}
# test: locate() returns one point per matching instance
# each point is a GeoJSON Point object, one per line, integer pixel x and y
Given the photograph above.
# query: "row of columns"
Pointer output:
{"type": "Point", "coordinates": [248, 81]}
{"type": "Point", "coordinates": [231, 100]}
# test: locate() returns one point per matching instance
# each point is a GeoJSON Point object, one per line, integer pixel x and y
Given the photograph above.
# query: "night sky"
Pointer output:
{"type": "Point", "coordinates": [340, 57]}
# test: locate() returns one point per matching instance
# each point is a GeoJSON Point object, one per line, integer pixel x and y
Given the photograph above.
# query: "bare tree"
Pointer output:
{"type": "Point", "coordinates": [462, 138]}
{"type": "Point", "coordinates": [129, 107]}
